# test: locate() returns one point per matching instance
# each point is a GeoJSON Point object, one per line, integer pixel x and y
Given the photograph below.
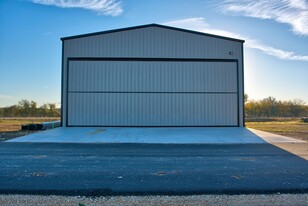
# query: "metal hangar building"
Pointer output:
{"type": "Point", "coordinates": [152, 76]}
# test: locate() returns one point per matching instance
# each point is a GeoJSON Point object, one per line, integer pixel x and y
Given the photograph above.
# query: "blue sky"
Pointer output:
{"type": "Point", "coordinates": [276, 34]}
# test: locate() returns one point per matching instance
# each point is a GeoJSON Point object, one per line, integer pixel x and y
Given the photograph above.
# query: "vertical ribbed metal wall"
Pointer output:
{"type": "Point", "coordinates": [154, 76]}
{"type": "Point", "coordinates": [152, 109]}
{"type": "Point", "coordinates": [82, 78]}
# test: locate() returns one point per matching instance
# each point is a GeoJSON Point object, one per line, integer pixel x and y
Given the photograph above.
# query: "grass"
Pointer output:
{"type": "Point", "coordinates": [288, 127]}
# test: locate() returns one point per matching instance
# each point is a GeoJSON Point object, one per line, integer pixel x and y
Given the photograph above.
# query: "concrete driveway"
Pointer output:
{"type": "Point", "coordinates": [156, 135]}
{"type": "Point", "coordinates": [113, 169]}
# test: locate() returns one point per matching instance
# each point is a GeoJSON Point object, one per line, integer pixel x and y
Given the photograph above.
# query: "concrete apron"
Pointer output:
{"type": "Point", "coordinates": [157, 135]}
{"type": "Point", "coordinates": [166, 135]}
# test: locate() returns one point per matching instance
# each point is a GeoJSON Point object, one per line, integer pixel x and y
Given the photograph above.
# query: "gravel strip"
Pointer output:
{"type": "Point", "coordinates": [274, 199]}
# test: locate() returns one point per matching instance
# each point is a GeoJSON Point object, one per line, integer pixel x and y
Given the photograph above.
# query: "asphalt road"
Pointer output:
{"type": "Point", "coordinates": [143, 169]}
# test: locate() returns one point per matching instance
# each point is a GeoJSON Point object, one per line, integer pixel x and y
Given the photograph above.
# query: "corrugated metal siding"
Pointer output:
{"type": "Point", "coordinates": [152, 109]}
{"type": "Point", "coordinates": [131, 76]}
{"type": "Point", "coordinates": [152, 42]}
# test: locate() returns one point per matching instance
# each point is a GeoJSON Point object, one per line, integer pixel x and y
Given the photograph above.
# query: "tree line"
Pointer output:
{"type": "Point", "coordinates": [271, 107]}
{"type": "Point", "coordinates": [26, 108]}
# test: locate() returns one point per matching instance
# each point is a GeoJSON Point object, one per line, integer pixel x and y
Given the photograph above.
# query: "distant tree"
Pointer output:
{"type": "Point", "coordinates": [12, 111]}
{"type": "Point", "coordinates": [270, 107]}
{"type": "Point", "coordinates": [52, 111]}
{"type": "Point", "coordinates": [26, 108]}
{"type": "Point", "coordinates": [296, 107]}
{"type": "Point", "coordinates": [245, 98]}
{"type": "Point", "coordinates": [43, 110]}
{"type": "Point", "coordinates": [33, 109]}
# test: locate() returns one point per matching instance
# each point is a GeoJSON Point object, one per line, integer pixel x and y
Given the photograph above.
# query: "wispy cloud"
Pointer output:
{"type": "Point", "coordinates": [5, 96]}
{"type": "Point", "coordinates": [292, 12]}
{"type": "Point", "coordinates": [104, 7]}
{"type": "Point", "coordinates": [279, 53]}
{"type": "Point", "coordinates": [199, 24]}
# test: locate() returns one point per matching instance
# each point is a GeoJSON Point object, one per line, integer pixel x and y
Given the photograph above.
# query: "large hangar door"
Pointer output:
{"type": "Point", "coordinates": [150, 92]}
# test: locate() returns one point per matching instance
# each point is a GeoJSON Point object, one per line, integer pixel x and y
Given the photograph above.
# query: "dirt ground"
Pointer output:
{"type": "Point", "coordinates": [219, 200]}
{"type": "Point", "coordinates": [11, 127]}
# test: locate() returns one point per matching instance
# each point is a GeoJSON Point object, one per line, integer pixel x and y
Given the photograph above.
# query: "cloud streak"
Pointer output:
{"type": "Point", "coordinates": [103, 7]}
{"type": "Point", "coordinates": [199, 24]}
{"type": "Point", "coordinates": [5, 96]}
{"type": "Point", "coordinates": [292, 12]}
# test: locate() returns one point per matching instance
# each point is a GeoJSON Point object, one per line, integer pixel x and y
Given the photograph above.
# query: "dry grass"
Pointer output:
{"type": "Point", "coordinates": [287, 127]}
{"type": "Point", "coordinates": [11, 127]}
{"type": "Point", "coordinates": [14, 124]}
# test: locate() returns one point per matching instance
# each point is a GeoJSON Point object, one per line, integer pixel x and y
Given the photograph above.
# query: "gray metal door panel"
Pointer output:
{"type": "Point", "coordinates": [152, 109]}
{"type": "Point", "coordinates": [152, 76]}
{"type": "Point", "coordinates": [152, 93]}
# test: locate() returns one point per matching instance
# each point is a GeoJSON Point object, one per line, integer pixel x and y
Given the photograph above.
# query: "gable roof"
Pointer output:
{"type": "Point", "coordinates": [151, 25]}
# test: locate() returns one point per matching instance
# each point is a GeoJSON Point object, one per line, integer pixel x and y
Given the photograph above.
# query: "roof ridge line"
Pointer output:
{"type": "Point", "coordinates": [150, 25]}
